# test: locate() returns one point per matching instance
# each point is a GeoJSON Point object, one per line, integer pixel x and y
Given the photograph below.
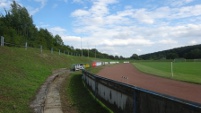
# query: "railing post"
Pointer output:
{"type": "Point", "coordinates": [96, 87]}
{"type": "Point", "coordinates": [135, 101]}
{"type": "Point", "coordinates": [2, 41]}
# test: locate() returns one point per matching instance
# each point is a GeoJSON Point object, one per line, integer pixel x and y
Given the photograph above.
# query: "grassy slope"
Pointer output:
{"type": "Point", "coordinates": [184, 71]}
{"type": "Point", "coordinates": [23, 71]}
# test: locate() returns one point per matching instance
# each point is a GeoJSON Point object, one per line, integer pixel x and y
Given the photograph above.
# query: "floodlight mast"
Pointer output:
{"type": "Point", "coordinates": [81, 48]}
{"type": "Point", "coordinates": [88, 49]}
{"type": "Point", "coordinates": [95, 51]}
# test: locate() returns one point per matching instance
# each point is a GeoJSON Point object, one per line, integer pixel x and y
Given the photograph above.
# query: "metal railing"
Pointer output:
{"type": "Point", "coordinates": [125, 98]}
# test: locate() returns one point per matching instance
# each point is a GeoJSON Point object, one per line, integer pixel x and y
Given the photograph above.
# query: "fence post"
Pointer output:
{"type": "Point", "coordinates": [59, 51]}
{"type": "Point", "coordinates": [2, 41]}
{"type": "Point", "coordinates": [26, 46]}
{"type": "Point", "coordinates": [41, 48]}
{"type": "Point", "coordinates": [51, 50]}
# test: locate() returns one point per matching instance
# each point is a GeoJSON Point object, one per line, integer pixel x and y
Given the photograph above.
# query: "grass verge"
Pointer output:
{"type": "Point", "coordinates": [79, 98]}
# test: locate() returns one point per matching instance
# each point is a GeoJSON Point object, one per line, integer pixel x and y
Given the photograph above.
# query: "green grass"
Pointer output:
{"type": "Point", "coordinates": [94, 70]}
{"type": "Point", "coordinates": [22, 72]}
{"type": "Point", "coordinates": [183, 71]}
{"type": "Point", "coordinates": [81, 98]}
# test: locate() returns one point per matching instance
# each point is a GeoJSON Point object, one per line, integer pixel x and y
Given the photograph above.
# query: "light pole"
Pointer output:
{"type": "Point", "coordinates": [81, 48]}
{"type": "Point", "coordinates": [95, 51]}
{"type": "Point", "coordinates": [88, 49]}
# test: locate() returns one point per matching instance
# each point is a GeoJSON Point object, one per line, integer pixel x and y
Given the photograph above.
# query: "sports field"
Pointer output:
{"type": "Point", "coordinates": [184, 71]}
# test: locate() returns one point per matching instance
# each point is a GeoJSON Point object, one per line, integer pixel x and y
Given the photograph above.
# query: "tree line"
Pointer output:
{"type": "Point", "coordinates": [17, 27]}
{"type": "Point", "coordinates": [188, 52]}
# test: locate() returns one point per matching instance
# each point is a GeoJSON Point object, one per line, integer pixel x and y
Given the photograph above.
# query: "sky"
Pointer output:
{"type": "Point", "coordinates": [118, 27]}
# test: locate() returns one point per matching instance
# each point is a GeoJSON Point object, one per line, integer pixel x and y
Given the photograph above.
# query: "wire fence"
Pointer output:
{"type": "Point", "coordinates": [25, 45]}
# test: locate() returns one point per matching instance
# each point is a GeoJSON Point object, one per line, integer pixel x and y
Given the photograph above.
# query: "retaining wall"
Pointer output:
{"type": "Point", "coordinates": [124, 98]}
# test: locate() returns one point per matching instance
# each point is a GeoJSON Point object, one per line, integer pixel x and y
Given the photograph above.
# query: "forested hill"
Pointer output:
{"type": "Point", "coordinates": [188, 52]}
{"type": "Point", "coordinates": [17, 28]}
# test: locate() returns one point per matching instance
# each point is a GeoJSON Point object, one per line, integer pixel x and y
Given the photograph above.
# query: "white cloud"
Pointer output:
{"type": "Point", "coordinates": [78, 1]}
{"type": "Point", "coordinates": [74, 41]}
{"type": "Point", "coordinates": [138, 28]}
{"type": "Point", "coordinates": [35, 10]}
{"type": "Point", "coordinates": [125, 42]}
{"type": "Point", "coordinates": [144, 16]}
{"type": "Point", "coordinates": [5, 3]}
{"type": "Point", "coordinates": [57, 30]}
{"type": "Point", "coordinates": [139, 50]}
{"type": "Point", "coordinates": [167, 41]}
{"type": "Point", "coordinates": [185, 12]}
{"type": "Point", "coordinates": [193, 42]}
{"type": "Point", "coordinates": [80, 13]}
{"type": "Point", "coordinates": [42, 25]}
{"type": "Point", "coordinates": [72, 38]}
{"type": "Point", "coordinates": [42, 2]}
{"type": "Point", "coordinates": [177, 3]}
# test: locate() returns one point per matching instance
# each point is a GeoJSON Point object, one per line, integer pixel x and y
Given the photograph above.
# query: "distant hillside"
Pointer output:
{"type": "Point", "coordinates": [188, 52]}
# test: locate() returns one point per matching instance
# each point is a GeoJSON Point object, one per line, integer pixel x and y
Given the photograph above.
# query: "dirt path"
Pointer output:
{"type": "Point", "coordinates": [127, 73]}
{"type": "Point", "coordinates": [47, 99]}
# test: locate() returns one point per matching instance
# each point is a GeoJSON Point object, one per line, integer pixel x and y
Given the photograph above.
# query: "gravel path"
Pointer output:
{"type": "Point", "coordinates": [127, 73]}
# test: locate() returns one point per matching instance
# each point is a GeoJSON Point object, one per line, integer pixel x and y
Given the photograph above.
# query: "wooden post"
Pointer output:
{"type": "Point", "coordinates": [52, 50]}
{"type": "Point", "coordinates": [26, 46]}
{"type": "Point", "coordinates": [41, 49]}
{"type": "Point", "coordinates": [2, 41]}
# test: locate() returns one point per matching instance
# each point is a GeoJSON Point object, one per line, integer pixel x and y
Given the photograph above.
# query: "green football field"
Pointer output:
{"type": "Point", "coordinates": [184, 71]}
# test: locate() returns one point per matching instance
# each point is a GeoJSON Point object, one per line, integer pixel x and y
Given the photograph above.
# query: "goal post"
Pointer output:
{"type": "Point", "coordinates": [179, 60]}
{"type": "Point", "coordinates": [171, 66]}
{"type": "Point", "coordinates": [197, 60]}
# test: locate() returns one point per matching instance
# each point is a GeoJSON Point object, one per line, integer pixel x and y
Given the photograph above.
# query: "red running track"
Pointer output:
{"type": "Point", "coordinates": [182, 90]}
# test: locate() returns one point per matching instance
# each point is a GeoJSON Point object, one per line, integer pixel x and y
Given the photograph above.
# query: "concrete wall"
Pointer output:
{"type": "Point", "coordinates": [122, 98]}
